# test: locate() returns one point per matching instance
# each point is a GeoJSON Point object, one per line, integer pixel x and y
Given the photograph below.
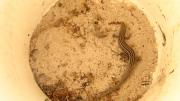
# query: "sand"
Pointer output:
{"type": "Point", "coordinates": [75, 55]}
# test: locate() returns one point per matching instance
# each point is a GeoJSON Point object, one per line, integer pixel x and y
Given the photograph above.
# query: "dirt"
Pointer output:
{"type": "Point", "coordinates": [75, 56]}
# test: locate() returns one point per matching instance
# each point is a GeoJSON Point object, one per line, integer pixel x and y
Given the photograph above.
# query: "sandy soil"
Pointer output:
{"type": "Point", "coordinates": [74, 51]}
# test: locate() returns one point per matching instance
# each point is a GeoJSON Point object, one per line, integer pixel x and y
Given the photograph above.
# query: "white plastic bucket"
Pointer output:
{"type": "Point", "coordinates": [18, 19]}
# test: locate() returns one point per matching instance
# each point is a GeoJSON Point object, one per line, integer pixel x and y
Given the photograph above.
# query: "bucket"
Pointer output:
{"type": "Point", "coordinates": [19, 18]}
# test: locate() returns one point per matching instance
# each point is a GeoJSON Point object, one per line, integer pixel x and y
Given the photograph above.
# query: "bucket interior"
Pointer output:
{"type": "Point", "coordinates": [20, 18]}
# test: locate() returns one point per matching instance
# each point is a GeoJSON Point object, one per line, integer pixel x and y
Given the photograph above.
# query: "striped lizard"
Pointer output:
{"type": "Point", "coordinates": [131, 62]}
